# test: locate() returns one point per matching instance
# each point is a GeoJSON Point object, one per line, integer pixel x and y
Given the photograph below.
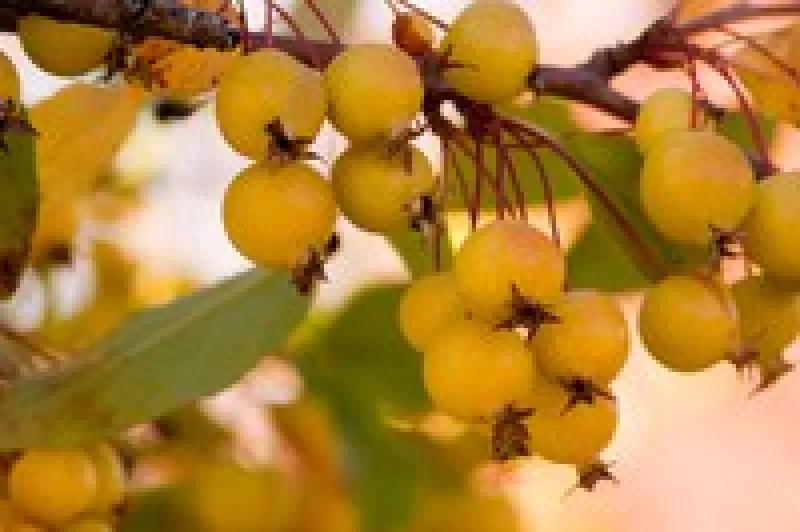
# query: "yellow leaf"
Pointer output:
{"type": "Point", "coordinates": [774, 90]}
{"type": "Point", "coordinates": [80, 130]}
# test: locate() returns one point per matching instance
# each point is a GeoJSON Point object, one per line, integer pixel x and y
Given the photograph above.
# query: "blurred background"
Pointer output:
{"type": "Point", "coordinates": [693, 454]}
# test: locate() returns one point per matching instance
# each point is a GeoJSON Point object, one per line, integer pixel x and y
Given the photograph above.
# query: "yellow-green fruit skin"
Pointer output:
{"type": "Point", "coordinates": [664, 112]}
{"type": "Point", "coordinates": [688, 324]}
{"type": "Point", "coordinates": [472, 371]}
{"type": "Point", "coordinates": [262, 87]}
{"type": "Point", "coordinates": [428, 307]}
{"type": "Point", "coordinates": [494, 44]}
{"type": "Point", "coordinates": [502, 254]}
{"type": "Point", "coordinates": [273, 214]}
{"type": "Point", "coordinates": [9, 79]}
{"type": "Point", "coordinates": [590, 340]}
{"type": "Point", "coordinates": [89, 525]}
{"type": "Point", "coordinates": [771, 231]}
{"type": "Point", "coordinates": [53, 486]}
{"type": "Point", "coordinates": [769, 316]}
{"type": "Point", "coordinates": [374, 91]}
{"type": "Point", "coordinates": [375, 190]}
{"type": "Point", "coordinates": [61, 48]}
{"type": "Point", "coordinates": [693, 181]}
{"type": "Point", "coordinates": [571, 436]}
{"type": "Point", "coordinates": [110, 477]}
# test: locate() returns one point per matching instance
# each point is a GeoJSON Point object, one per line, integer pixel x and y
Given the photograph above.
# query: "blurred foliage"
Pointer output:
{"type": "Point", "coordinates": [155, 362]}
{"type": "Point", "coordinates": [361, 367]}
{"type": "Point", "coordinates": [773, 87]}
{"type": "Point", "coordinates": [19, 201]}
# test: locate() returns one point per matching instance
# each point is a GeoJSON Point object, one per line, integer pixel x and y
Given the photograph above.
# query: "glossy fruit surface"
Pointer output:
{"type": "Point", "coordinates": [590, 340]}
{"type": "Point", "coordinates": [694, 181]}
{"type": "Point", "coordinates": [61, 48]}
{"type": "Point", "coordinates": [472, 371]}
{"type": "Point", "coordinates": [664, 112]}
{"type": "Point", "coordinates": [375, 90]}
{"type": "Point", "coordinates": [573, 435]}
{"type": "Point", "coordinates": [428, 307]}
{"type": "Point", "coordinates": [771, 231]}
{"type": "Point", "coordinates": [274, 214]}
{"type": "Point", "coordinates": [263, 87]}
{"type": "Point", "coordinates": [689, 324]}
{"type": "Point", "coordinates": [505, 254]}
{"type": "Point", "coordinates": [376, 190]}
{"type": "Point", "coordinates": [53, 486]}
{"type": "Point", "coordinates": [493, 45]}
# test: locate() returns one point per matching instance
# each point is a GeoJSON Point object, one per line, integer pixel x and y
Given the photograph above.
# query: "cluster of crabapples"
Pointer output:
{"type": "Point", "coordinates": [699, 190]}
{"type": "Point", "coordinates": [69, 490]}
{"type": "Point", "coordinates": [280, 212]}
{"type": "Point", "coordinates": [503, 338]}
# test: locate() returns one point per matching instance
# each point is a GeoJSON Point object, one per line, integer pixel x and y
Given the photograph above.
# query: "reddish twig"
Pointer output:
{"type": "Point", "coordinates": [323, 21]}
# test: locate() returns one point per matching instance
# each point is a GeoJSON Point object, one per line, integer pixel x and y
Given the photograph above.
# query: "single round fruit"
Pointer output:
{"type": "Point", "coordinates": [771, 229]}
{"type": "Point", "coordinates": [664, 112]}
{"type": "Point", "coordinates": [263, 87]}
{"type": "Point", "coordinates": [375, 190]}
{"type": "Point", "coordinates": [61, 48]}
{"type": "Point", "coordinates": [502, 255]}
{"type": "Point", "coordinates": [493, 47]}
{"type": "Point", "coordinates": [375, 90]}
{"type": "Point", "coordinates": [9, 80]}
{"type": "Point", "coordinates": [473, 371]}
{"type": "Point", "coordinates": [110, 477]}
{"type": "Point", "coordinates": [590, 340]}
{"type": "Point", "coordinates": [570, 435]}
{"type": "Point", "coordinates": [688, 324]}
{"type": "Point", "coordinates": [769, 316]}
{"type": "Point", "coordinates": [693, 181]}
{"type": "Point", "coordinates": [274, 214]}
{"type": "Point", "coordinates": [53, 486]}
{"type": "Point", "coordinates": [429, 306]}
{"type": "Point", "coordinates": [89, 525]}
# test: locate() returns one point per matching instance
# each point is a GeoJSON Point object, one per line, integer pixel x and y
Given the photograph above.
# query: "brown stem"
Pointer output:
{"type": "Point", "coordinates": [738, 13]}
{"type": "Point", "coordinates": [586, 86]}
{"type": "Point", "coordinates": [647, 257]}
{"type": "Point", "coordinates": [323, 21]}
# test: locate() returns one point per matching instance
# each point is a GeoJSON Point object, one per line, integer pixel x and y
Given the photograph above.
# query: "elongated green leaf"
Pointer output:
{"type": "Point", "coordinates": [737, 128]}
{"type": "Point", "coordinates": [608, 257]}
{"type": "Point", "coordinates": [157, 361]}
{"type": "Point", "coordinates": [362, 368]}
{"type": "Point", "coordinates": [19, 200]}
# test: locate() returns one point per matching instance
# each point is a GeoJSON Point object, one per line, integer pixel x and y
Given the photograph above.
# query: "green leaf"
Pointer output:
{"type": "Point", "coordinates": [19, 202]}
{"type": "Point", "coordinates": [418, 253]}
{"type": "Point", "coordinates": [607, 257]}
{"type": "Point", "coordinates": [363, 369]}
{"type": "Point", "coordinates": [737, 128]}
{"type": "Point", "coordinates": [156, 362]}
